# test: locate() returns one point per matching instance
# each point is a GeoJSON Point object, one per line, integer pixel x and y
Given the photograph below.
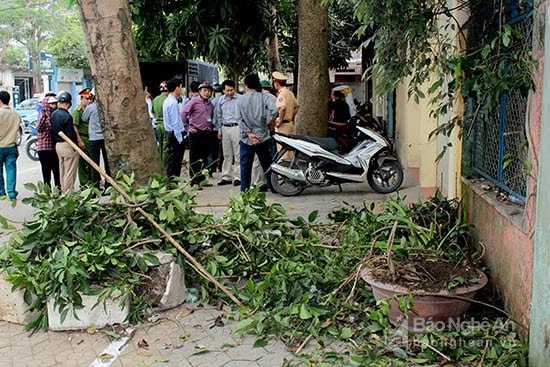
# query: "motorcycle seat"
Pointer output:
{"type": "Point", "coordinates": [329, 144]}
{"type": "Point", "coordinates": [340, 125]}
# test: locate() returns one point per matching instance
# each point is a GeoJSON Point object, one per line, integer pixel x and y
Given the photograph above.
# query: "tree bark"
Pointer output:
{"type": "Point", "coordinates": [272, 46]}
{"type": "Point", "coordinates": [36, 72]}
{"type": "Point", "coordinates": [313, 83]}
{"type": "Point", "coordinates": [123, 113]}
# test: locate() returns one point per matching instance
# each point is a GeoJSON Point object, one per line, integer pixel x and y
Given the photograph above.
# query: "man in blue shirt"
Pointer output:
{"type": "Point", "coordinates": [174, 129]}
{"type": "Point", "coordinates": [254, 107]}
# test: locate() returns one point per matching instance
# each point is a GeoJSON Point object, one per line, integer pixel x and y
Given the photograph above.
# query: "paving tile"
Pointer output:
{"type": "Point", "coordinates": [274, 360]}
{"type": "Point", "coordinates": [246, 352]}
{"type": "Point", "coordinates": [5, 361]}
{"type": "Point", "coordinates": [238, 363]}
{"type": "Point", "coordinates": [211, 359]}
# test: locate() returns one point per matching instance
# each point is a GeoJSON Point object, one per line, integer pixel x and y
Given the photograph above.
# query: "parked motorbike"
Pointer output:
{"type": "Point", "coordinates": [31, 146]}
{"type": "Point", "coordinates": [345, 132]}
{"type": "Point", "coordinates": [317, 161]}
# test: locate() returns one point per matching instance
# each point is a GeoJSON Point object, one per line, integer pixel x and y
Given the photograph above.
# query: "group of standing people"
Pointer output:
{"type": "Point", "coordinates": [241, 122]}
{"type": "Point", "coordinates": [82, 126]}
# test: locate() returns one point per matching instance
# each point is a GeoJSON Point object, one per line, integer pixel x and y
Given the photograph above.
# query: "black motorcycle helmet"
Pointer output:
{"type": "Point", "coordinates": [64, 97]}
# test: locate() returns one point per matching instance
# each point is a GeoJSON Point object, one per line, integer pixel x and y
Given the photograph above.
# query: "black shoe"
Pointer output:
{"type": "Point", "coordinates": [237, 183]}
{"type": "Point", "coordinates": [207, 185]}
{"type": "Point", "coordinates": [224, 182]}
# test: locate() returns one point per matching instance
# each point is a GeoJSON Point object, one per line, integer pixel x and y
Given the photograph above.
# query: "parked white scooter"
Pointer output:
{"type": "Point", "coordinates": [316, 161]}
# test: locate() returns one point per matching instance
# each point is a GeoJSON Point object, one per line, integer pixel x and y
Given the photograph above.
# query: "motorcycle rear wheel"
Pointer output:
{"type": "Point", "coordinates": [32, 149]}
{"type": "Point", "coordinates": [284, 185]}
{"type": "Point", "coordinates": [386, 178]}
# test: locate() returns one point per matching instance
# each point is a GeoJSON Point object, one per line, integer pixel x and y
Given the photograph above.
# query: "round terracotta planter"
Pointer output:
{"type": "Point", "coordinates": [429, 309]}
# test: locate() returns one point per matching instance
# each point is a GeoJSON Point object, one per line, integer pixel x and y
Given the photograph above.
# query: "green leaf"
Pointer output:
{"type": "Point", "coordinates": [260, 342]}
{"type": "Point", "coordinates": [4, 223]}
{"type": "Point", "coordinates": [506, 39]}
{"type": "Point", "coordinates": [346, 333]}
{"type": "Point", "coordinates": [243, 326]}
{"type": "Point", "coordinates": [201, 351]}
{"type": "Point", "coordinates": [400, 353]}
{"type": "Point", "coordinates": [112, 334]}
{"type": "Point", "coordinates": [313, 216]}
{"type": "Point", "coordinates": [304, 312]}
{"type": "Point", "coordinates": [170, 213]}
{"type": "Point", "coordinates": [419, 360]}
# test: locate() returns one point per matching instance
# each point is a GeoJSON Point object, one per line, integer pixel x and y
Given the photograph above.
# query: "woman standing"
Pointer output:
{"type": "Point", "coordinates": [46, 146]}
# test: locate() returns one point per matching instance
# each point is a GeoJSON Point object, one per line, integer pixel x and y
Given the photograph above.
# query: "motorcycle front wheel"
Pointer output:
{"type": "Point", "coordinates": [32, 149]}
{"type": "Point", "coordinates": [386, 178]}
{"type": "Point", "coordinates": [284, 185]}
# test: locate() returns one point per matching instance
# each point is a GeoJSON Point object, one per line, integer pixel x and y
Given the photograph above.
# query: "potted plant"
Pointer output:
{"type": "Point", "coordinates": [422, 260]}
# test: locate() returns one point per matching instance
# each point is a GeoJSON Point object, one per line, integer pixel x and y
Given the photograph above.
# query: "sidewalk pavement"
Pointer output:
{"type": "Point", "coordinates": [187, 335]}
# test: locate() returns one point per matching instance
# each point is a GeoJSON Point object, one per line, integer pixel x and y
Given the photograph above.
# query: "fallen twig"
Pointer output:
{"type": "Point", "coordinates": [435, 350]}
{"type": "Point", "coordinates": [304, 343]}
{"type": "Point", "coordinates": [388, 252]}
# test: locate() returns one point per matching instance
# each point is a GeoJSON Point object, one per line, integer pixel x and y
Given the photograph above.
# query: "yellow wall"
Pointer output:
{"type": "Point", "coordinates": [413, 125]}
{"type": "Point", "coordinates": [449, 167]}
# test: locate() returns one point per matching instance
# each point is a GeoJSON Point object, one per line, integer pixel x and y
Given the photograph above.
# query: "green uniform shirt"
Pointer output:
{"type": "Point", "coordinates": [157, 107]}
{"type": "Point", "coordinates": [81, 126]}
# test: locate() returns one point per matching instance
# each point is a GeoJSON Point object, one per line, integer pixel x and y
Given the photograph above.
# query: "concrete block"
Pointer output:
{"type": "Point", "coordinates": [165, 287]}
{"type": "Point", "coordinates": [174, 293]}
{"type": "Point", "coordinates": [104, 314]}
{"type": "Point", "coordinates": [12, 305]}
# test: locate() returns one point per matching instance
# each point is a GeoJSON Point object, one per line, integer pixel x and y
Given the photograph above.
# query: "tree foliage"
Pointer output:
{"type": "Point", "coordinates": [425, 41]}
{"type": "Point", "coordinates": [30, 23]}
{"type": "Point", "coordinates": [13, 57]}
{"type": "Point", "coordinates": [226, 32]}
{"type": "Point", "coordinates": [232, 33]}
{"type": "Point", "coordinates": [68, 45]}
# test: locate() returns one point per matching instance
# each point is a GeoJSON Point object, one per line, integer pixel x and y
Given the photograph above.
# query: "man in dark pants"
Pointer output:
{"type": "Point", "coordinates": [84, 169]}
{"type": "Point", "coordinates": [254, 107]}
{"type": "Point", "coordinates": [197, 119]}
{"type": "Point", "coordinates": [96, 141]}
{"type": "Point", "coordinates": [174, 129]}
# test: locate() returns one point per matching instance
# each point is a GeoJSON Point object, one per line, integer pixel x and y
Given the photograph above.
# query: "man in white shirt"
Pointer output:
{"type": "Point", "coordinates": [228, 118]}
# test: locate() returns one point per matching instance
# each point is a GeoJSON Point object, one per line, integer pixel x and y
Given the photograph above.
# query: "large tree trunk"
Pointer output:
{"type": "Point", "coordinates": [113, 59]}
{"type": "Point", "coordinates": [36, 72]}
{"type": "Point", "coordinates": [36, 77]}
{"type": "Point", "coordinates": [272, 46]}
{"type": "Point", "coordinates": [313, 84]}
